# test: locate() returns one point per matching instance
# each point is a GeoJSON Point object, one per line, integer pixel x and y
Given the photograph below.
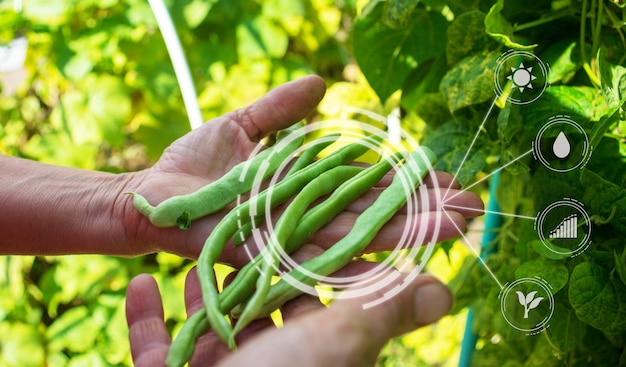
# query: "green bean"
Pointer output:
{"type": "Point", "coordinates": [309, 154]}
{"type": "Point", "coordinates": [183, 346]}
{"type": "Point", "coordinates": [365, 228]}
{"type": "Point", "coordinates": [320, 186]}
{"type": "Point", "coordinates": [305, 158]}
{"type": "Point", "coordinates": [180, 210]}
{"type": "Point", "coordinates": [227, 227]}
{"type": "Point", "coordinates": [310, 223]}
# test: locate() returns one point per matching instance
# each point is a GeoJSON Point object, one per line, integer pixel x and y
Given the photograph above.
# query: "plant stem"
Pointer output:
{"type": "Point", "coordinates": [542, 20]}
{"type": "Point", "coordinates": [597, 30]}
{"type": "Point", "coordinates": [583, 19]}
{"type": "Point", "coordinates": [590, 73]}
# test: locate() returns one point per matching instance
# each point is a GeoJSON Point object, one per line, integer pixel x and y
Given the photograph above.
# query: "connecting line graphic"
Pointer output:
{"type": "Point", "coordinates": [486, 177]}
{"type": "Point", "coordinates": [469, 149]}
{"type": "Point", "coordinates": [451, 206]}
{"type": "Point", "coordinates": [469, 244]}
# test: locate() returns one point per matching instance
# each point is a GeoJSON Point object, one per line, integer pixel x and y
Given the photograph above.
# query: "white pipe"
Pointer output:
{"type": "Point", "coordinates": [177, 56]}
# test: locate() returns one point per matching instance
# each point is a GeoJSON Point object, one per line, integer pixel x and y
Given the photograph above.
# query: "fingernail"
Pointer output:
{"type": "Point", "coordinates": [432, 301]}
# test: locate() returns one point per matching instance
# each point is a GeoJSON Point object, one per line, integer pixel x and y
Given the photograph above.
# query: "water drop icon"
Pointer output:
{"type": "Point", "coordinates": [561, 146]}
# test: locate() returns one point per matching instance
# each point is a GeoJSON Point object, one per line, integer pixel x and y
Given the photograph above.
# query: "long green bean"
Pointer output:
{"type": "Point", "coordinates": [180, 210]}
{"type": "Point", "coordinates": [308, 155]}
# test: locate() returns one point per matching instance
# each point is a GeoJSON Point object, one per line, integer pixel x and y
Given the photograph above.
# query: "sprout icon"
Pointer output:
{"type": "Point", "coordinates": [528, 302]}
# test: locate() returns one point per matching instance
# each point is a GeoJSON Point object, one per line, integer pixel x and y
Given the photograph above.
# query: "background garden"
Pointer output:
{"type": "Point", "coordinates": [99, 92]}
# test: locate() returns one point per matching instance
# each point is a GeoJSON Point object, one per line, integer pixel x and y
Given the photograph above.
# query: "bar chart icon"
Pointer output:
{"type": "Point", "coordinates": [568, 228]}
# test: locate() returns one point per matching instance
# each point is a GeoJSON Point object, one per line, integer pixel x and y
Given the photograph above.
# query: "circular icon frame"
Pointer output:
{"type": "Point", "coordinates": [567, 122]}
{"type": "Point", "coordinates": [567, 229]}
{"type": "Point", "coordinates": [520, 76]}
{"type": "Point", "coordinates": [529, 303]}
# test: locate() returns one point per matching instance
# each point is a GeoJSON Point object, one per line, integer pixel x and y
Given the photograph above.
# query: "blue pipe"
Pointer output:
{"type": "Point", "coordinates": [492, 222]}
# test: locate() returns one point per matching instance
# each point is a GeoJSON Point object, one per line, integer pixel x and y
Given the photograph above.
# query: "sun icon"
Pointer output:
{"type": "Point", "coordinates": [521, 77]}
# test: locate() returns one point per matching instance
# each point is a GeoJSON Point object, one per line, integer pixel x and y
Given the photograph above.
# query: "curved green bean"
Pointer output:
{"type": "Point", "coordinates": [309, 154]}
{"type": "Point", "coordinates": [182, 348]}
{"type": "Point", "coordinates": [180, 210]}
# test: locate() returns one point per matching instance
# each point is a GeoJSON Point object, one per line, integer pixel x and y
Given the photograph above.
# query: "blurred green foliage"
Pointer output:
{"type": "Point", "coordinates": [99, 92]}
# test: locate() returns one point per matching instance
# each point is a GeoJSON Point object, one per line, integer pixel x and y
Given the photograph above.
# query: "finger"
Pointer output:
{"type": "Point", "coordinates": [441, 179]}
{"type": "Point", "coordinates": [432, 179]}
{"type": "Point", "coordinates": [149, 339]}
{"type": "Point", "coordinates": [347, 334]}
{"type": "Point", "coordinates": [306, 302]}
{"type": "Point", "coordinates": [193, 293]}
{"type": "Point", "coordinates": [281, 107]}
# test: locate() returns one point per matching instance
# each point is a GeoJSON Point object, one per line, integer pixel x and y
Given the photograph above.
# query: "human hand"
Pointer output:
{"type": "Point", "coordinates": [207, 153]}
{"type": "Point", "coordinates": [344, 334]}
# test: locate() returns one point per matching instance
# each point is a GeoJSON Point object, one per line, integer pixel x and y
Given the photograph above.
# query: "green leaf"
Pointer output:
{"type": "Point", "coordinates": [610, 119]}
{"type": "Point", "coordinates": [450, 143]}
{"type": "Point", "coordinates": [260, 38]}
{"type": "Point", "coordinates": [553, 272]}
{"type": "Point", "coordinates": [110, 103]}
{"type": "Point", "coordinates": [196, 11]}
{"type": "Point", "coordinates": [500, 29]}
{"type": "Point", "coordinates": [545, 186]}
{"type": "Point", "coordinates": [598, 299]}
{"type": "Point", "coordinates": [21, 345]}
{"type": "Point", "coordinates": [387, 56]}
{"type": "Point", "coordinates": [604, 199]}
{"type": "Point", "coordinates": [420, 92]}
{"type": "Point", "coordinates": [575, 102]}
{"type": "Point", "coordinates": [466, 35]}
{"type": "Point", "coordinates": [545, 252]}
{"type": "Point", "coordinates": [47, 12]}
{"type": "Point", "coordinates": [566, 332]}
{"type": "Point", "coordinates": [75, 330]}
{"type": "Point", "coordinates": [470, 81]}
{"type": "Point", "coordinates": [397, 13]}
{"type": "Point", "coordinates": [463, 285]}
{"type": "Point", "coordinates": [78, 66]}
{"type": "Point", "coordinates": [563, 58]}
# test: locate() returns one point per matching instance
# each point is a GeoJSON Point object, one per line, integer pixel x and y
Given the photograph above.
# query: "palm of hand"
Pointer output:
{"type": "Point", "coordinates": [206, 154]}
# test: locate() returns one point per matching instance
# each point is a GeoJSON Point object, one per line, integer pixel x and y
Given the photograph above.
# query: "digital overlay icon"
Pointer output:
{"type": "Point", "coordinates": [562, 145]}
{"type": "Point", "coordinates": [568, 228]}
{"type": "Point", "coordinates": [520, 76]}
{"type": "Point", "coordinates": [527, 304]}
{"type": "Point", "coordinates": [564, 227]}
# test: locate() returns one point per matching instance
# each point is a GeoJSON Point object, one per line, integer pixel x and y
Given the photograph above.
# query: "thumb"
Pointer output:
{"type": "Point", "coordinates": [347, 334]}
{"type": "Point", "coordinates": [422, 301]}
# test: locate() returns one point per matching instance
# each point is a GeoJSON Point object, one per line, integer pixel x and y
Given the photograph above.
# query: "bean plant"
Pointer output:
{"type": "Point", "coordinates": [443, 59]}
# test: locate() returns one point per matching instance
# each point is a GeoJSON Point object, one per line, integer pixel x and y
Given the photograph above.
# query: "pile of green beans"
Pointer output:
{"type": "Point", "coordinates": [316, 191]}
